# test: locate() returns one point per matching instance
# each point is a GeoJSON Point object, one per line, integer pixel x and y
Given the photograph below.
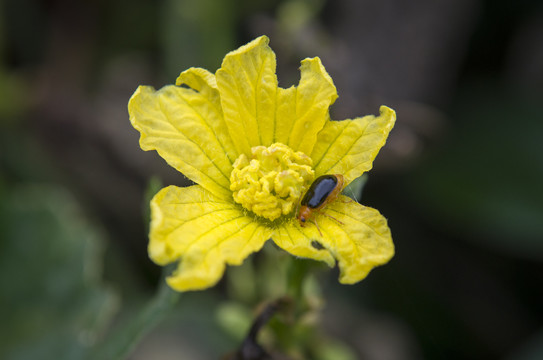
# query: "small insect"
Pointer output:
{"type": "Point", "coordinates": [324, 190]}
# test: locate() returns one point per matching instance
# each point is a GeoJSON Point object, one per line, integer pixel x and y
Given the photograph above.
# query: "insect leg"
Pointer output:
{"type": "Point", "coordinates": [317, 225]}
{"type": "Point", "coordinates": [333, 218]}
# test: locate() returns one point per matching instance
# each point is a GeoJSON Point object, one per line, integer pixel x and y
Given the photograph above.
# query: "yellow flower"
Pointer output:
{"type": "Point", "coordinates": [253, 149]}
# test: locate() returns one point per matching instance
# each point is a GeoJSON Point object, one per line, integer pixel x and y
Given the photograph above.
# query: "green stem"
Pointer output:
{"type": "Point", "coordinates": [297, 273]}
{"type": "Point", "coordinates": [122, 339]}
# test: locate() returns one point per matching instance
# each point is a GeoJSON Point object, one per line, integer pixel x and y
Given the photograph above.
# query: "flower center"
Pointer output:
{"type": "Point", "coordinates": [272, 181]}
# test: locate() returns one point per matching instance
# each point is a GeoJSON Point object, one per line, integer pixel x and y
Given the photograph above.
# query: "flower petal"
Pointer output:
{"type": "Point", "coordinates": [202, 81]}
{"type": "Point", "coordinates": [205, 83]}
{"type": "Point", "coordinates": [248, 88]}
{"type": "Point", "coordinates": [204, 231]}
{"type": "Point", "coordinates": [181, 126]}
{"type": "Point", "coordinates": [349, 147]}
{"type": "Point", "coordinates": [360, 242]}
{"type": "Point", "coordinates": [302, 241]}
{"type": "Point", "coordinates": [303, 110]}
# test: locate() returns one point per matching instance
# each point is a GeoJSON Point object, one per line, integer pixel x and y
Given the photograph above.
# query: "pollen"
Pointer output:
{"type": "Point", "coordinates": [271, 182]}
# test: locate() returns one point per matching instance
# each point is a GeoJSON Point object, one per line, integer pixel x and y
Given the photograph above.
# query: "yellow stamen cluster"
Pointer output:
{"type": "Point", "coordinates": [272, 181]}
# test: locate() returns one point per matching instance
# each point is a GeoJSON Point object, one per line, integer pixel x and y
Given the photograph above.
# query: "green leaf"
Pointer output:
{"type": "Point", "coordinates": [356, 187]}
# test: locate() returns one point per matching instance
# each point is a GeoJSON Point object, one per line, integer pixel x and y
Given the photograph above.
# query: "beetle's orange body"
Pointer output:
{"type": "Point", "coordinates": [322, 191]}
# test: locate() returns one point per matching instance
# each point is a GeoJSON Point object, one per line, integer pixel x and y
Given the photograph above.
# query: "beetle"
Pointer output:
{"type": "Point", "coordinates": [322, 191]}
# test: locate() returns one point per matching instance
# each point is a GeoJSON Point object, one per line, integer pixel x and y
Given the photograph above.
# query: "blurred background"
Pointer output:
{"type": "Point", "coordinates": [460, 179]}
